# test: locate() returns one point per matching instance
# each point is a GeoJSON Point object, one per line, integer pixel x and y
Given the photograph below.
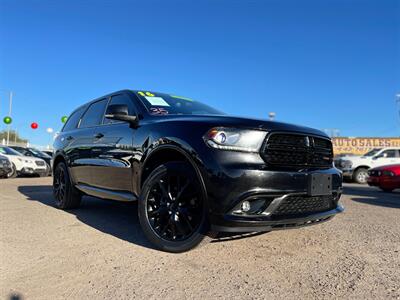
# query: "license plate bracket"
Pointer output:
{"type": "Point", "coordinates": [319, 184]}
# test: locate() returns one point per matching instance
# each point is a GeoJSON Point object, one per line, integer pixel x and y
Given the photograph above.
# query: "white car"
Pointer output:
{"type": "Point", "coordinates": [24, 165]}
{"type": "Point", "coordinates": [356, 167]}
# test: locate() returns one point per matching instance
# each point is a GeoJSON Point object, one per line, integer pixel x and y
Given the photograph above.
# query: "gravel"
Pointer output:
{"type": "Point", "coordinates": [99, 251]}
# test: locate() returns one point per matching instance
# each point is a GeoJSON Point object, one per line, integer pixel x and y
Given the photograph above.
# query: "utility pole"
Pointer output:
{"type": "Point", "coordinates": [9, 114]}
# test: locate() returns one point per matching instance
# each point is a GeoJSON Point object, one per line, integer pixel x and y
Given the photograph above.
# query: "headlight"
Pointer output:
{"type": "Point", "coordinates": [23, 160]}
{"type": "Point", "coordinates": [235, 139]}
{"type": "Point", "coordinates": [346, 164]}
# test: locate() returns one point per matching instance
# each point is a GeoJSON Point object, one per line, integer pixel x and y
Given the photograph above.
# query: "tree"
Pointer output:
{"type": "Point", "coordinates": [14, 137]}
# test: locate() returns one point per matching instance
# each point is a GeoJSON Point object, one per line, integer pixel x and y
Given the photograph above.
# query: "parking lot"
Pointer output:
{"type": "Point", "coordinates": [99, 251]}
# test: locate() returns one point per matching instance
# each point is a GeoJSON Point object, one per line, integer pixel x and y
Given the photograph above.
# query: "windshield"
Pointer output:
{"type": "Point", "coordinates": [39, 153]}
{"type": "Point", "coordinates": [9, 151]}
{"type": "Point", "coordinates": [163, 104]}
{"type": "Point", "coordinates": [372, 152]}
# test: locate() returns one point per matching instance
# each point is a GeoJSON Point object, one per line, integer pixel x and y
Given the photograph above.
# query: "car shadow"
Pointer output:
{"type": "Point", "coordinates": [373, 196]}
{"type": "Point", "coordinates": [119, 219]}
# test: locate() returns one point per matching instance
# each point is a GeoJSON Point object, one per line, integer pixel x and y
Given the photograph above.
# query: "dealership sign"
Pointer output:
{"type": "Point", "coordinates": [360, 146]}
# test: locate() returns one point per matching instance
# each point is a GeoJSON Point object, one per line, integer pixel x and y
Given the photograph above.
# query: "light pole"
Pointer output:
{"type": "Point", "coordinates": [10, 93]}
{"type": "Point", "coordinates": [9, 114]}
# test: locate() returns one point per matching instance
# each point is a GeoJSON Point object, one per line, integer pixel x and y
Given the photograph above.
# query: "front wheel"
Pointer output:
{"type": "Point", "coordinates": [172, 208]}
{"type": "Point", "coordinates": [361, 175]}
{"type": "Point", "coordinates": [13, 172]}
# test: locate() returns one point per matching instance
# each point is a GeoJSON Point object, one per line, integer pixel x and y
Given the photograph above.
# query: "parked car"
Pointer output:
{"type": "Point", "coordinates": [356, 167]}
{"type": "Point", "coordinates": [48, 152]}
{"type": "Point", "coordinates": [24, 165]}
{"type": "Point", "coordinates": [6, 168]}
{"type": "Point", "coordinates": [387, 178]}
{"type": "Point", "coordinates": [28, 151]}
{"type": "Point", "coordinates": [191, 168]}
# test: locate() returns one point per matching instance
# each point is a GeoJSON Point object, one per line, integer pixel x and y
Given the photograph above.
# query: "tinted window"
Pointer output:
{"type": "Point", "coordinates": [94, 115]}
{"type": "Point", "coordinates": [121, 99]}
{"type": "Point", "coordinates": [73, 120]}
{"type": "Point", "coordinates": [372, 152]}
{"type": "Point", "coordinates": [9, 151]}
{"type": "Point", "coordinates": [21, 150]}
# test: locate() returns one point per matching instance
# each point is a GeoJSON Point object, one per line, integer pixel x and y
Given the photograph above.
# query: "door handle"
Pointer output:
{"type": "Point", "coordinates": [98, 135]}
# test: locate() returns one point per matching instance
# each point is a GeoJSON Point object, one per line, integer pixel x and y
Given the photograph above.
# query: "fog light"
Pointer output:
{"type": "Point", "coordinates": [246, 206]}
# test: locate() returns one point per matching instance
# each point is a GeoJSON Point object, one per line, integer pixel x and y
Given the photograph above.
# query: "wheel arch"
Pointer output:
{"type": "Point", "coordinates": [57, 159]}
{"type": "Point", "coordinates": [166, 153]}
{"type": "Point", "coordinates": [362, 167]}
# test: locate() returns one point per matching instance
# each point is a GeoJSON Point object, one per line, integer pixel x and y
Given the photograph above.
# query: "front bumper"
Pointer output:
{"type": "Point", "coordinates": [347, 172]}
{"type": "Point", "coordinates": [233, 182]}
{"type": "Point", "coordinates": [33, 171]}
{"type": "Point", "coordinates": [265, 224]}
{"type": "Point", "coordinates": [384, 182]}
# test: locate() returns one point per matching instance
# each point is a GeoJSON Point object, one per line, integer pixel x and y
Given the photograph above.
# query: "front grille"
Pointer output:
{"type": "Point", "coordinates": [374, 173]}
{"type": "Point", "coordinates": [300, 205]}
{"type": "Point", "coordinates": [39, 163]}
{"type": "Point", "coordinates": [285, 149]}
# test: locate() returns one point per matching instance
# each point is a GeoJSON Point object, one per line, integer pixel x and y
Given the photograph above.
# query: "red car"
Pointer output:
{"type": "Point", "coordinates": [386, 178]}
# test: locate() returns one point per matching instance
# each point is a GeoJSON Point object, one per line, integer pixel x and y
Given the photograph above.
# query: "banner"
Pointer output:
{"type": "Point", "coordinates": [359, 146]}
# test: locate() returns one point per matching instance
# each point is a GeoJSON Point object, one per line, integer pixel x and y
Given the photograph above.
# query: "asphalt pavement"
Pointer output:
{"type": "Point", "coordinates": [99, 252]}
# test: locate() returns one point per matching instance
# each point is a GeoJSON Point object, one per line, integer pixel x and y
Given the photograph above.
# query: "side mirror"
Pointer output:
{"type": "Point", "coordinates": [120, 112]}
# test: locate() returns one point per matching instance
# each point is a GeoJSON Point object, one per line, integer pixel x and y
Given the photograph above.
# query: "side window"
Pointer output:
{"type": "Point", "coordinates": [94, 115]}
{"type": "Point", "coordinates": [121, 99]}
{"type": "Point", "coordinates": [388, 154]}
{"type": "Point", "coordinates": [24, 152]}
{"type": "Point", "coordinates": [73, 120]}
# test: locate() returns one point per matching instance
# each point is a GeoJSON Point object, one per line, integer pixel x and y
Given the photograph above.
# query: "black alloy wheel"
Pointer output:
{"type": "Point", "coordinates": [65, 194]}
{"type": "Point", "coordinates": [172, 208]}
{"type": "Point", "coordinates": [59, 185]}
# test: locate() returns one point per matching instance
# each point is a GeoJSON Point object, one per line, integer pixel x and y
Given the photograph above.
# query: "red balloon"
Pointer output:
{"type": "Point", "coordinates": [34, 125]}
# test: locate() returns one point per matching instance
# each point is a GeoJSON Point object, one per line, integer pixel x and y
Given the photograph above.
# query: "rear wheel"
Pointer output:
{"type": "Point", "coordinates": [172, 208]}
{"type": "Point", "coordinates": [361, 175]}
{"type": "Point", "coordinates": [65, 194]}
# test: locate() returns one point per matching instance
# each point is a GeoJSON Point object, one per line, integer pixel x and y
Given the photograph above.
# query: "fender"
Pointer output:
{"type": "Point", "coordinates": [188, 152]}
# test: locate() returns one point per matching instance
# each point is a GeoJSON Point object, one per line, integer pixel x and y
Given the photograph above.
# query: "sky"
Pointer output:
{"type": "Point", "coordinates": [323, 64]}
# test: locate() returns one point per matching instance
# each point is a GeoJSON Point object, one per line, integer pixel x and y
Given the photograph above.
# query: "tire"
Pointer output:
{"type": "Point", "coordinates": [172, 208]}
{"type": "Point", "coordinates": [13, 173]}
{"type": "Point", "coordinates": [65, 194]}
{"type": "Point", "coordinates": [360, 175]}
{"type": "Point", "coordinates": [387, 190]}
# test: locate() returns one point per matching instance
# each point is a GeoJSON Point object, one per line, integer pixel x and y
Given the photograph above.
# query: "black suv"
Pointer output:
{"type": "Point", "coordinates": [193, 169]}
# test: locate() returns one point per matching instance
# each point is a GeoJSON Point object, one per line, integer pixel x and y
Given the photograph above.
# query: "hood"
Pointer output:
{"type": "Point", "coordinates": [349, 157]}
{"type": "Point", "coordinates": [239, 122]}
{"type": "Point", "coordinates": [28, 158]}
{"type": "Point", "coordinates": [394, 168]}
